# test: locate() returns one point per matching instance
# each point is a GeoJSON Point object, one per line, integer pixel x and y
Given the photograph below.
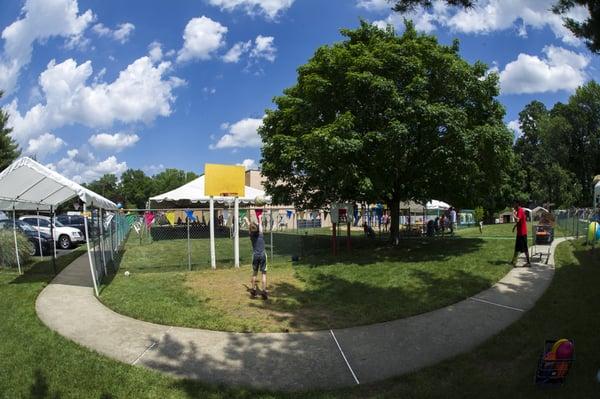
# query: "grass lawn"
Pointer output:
{"type": "Point", "coordinates": [37, 363]}
{"type": "Point", "coordinates": [373, 283]}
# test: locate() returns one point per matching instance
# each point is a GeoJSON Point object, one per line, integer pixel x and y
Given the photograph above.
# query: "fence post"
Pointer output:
{"type": "Point", "coordinates": [236, 231]}
{"type": "Point", "coordinates": [188, 244]}
{"type": "Point", "coordinates": [39, 234]}
{"type": "Point", "coordinates": [16, 244]}
{"type": "Point", "coordinates": [112, 243]}
{"type": "Point", "coordinates": [211, 218]}
{"type": "Point", "coordinates": [101, 242]}
{"type": "Point", "coordinates": [85, 224]}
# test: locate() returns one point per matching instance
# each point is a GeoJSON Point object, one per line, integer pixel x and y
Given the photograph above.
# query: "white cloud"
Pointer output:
{"type": "Point", "coordinates": [155, 51]}
{"type": "Point", "coordinates": [201, 38]}
{"type": "Point", "coordinates": [269, 8]}
{"type": "Point", "coordinates": [560, 69]}
{"type": "Point", "coordinates": [115, 142]}
{"type": "Point", "coordinates": [515, 126]}
{"type": "Point", "coordinates": [488, 16]}
{"type": "Point", "coordinates": [121, 34]}
{"type": "Point", "coordinates": [39, 21]}
{"type": "Point", "coordinates": [374, 5]}
{"type": "Point", "coordinates": [82, 166]}
{"type": "Point", "coordinates": [240, 134]}
{"type": "Point", "coordinates": [249, 164]}
{"type": "Point", "coordinates": [43, 145]}
{"type": "Point", "coordinates": [424, 21]}
{"type": "Point", "coordinates": [235, 53]}
{"type": "Point", "coordinates": [152, 170]}
{"type": "Point", "coordinates": [264, 48]}
{"type": "Point", "coordinates": [141, 93]}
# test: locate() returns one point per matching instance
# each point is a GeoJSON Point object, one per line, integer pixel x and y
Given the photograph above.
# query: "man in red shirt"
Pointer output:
{"type": "Point", "coordinates": [521, 227]}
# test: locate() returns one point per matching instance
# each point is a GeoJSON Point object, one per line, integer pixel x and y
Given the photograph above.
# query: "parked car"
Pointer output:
{"type": "Point", "coordinates": [32, 235]}
{"type": "Point", "coordinates": [66, 237]}
{"type": "Point", "coordinates": [76, 221]}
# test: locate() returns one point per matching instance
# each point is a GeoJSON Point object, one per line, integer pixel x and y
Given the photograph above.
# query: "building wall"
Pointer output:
{"type": "Point", "coordinates": [254, 179]}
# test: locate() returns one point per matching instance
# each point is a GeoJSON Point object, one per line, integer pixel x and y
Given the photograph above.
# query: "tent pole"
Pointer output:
{"type": "Point", "coordinates": [236, 231]}
{"type": "Point", "coordinates": [102, 243]}
{"type": "Point", "coordinates": [87, 234]}
{"type": "Point", "coordinates": [211, 218]}
{"type": "Point", "coordinates": [53, 240]}
{"type": "Point", "coordinates": [112, 243]}
{"type": "Point", "coordinates": [16, 244]}
{"type": "Point", "coordinates": [188, 244]}
{"type": "Point", "coordinates": [39, 234]}
{"type": "Point", "coordinates": [272, 221]}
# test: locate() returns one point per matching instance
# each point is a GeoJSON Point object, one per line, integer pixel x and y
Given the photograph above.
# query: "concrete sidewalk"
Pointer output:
{"type": "Point", "coordinates": [294, 361]}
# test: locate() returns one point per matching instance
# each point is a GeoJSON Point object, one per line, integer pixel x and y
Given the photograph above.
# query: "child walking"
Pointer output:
{"type": "Point", "coordinates": [259, 260]}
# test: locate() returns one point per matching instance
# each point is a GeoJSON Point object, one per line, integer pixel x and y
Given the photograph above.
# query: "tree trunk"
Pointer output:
{"type": "Point", "coordinates": [394, 206]}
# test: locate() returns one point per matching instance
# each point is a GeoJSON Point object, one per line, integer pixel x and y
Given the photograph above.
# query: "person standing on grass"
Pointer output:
{"type": "Point", "coordinates": [521, 227]}
{"type": "Point", "coordinates": [452, 220]}
{"type": "Point", "coordinates": [259, 259]}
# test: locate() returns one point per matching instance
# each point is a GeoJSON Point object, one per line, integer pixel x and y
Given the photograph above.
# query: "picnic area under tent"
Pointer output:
{"type": "Point", "coordinates": [26, 185]}
{"type": "Point", "coordinates": [192, 194]}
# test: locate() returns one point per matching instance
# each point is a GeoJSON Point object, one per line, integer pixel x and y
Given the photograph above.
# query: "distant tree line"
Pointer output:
{"type": "Point", "coordinates": [135, 187]}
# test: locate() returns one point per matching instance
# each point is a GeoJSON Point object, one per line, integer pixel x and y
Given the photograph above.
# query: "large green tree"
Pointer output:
{"type": "Point", "coordinates": [558, 151]}
{"type": "Point", "coordinates": [382, 117]}
{"type": "Point", "coordinates": [136, 188]}
{"type": "Point", "coordinates": [170, 179]}
{"type": "Point", "coordinates": [588, 30]}
{"type": "Point", "coordinates": [107, 186]}
{"type": "Point", "coordinates": [9, 150]}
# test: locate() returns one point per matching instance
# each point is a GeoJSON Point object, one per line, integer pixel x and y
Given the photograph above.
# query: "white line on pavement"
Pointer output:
{"type": "Point", "coordinates": [496, 304]}
{"type": "Point", "coordinates": [151, 346]}
{"type": "Point", "coordinates": [344, 356]}
{"type": "Point", "coordinates": [144, 352]}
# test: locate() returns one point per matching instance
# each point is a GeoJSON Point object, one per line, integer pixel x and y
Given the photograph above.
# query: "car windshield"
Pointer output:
{"type": "Point", "coordinates": [24, 226]}
{"type": "Point", "coordinates": [58, 224]}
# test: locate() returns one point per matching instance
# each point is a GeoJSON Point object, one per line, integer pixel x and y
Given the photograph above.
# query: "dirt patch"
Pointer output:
{"type": "Point", "coordinates": [287, 308]}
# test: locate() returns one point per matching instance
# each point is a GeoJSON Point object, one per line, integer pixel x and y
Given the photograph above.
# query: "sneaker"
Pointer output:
{"type": "Point", "coordinates": [253, 292]}
{"type": "Point", "coordinates": [527, 264]}
{"type": "Point", "coordinates": [264, 295]}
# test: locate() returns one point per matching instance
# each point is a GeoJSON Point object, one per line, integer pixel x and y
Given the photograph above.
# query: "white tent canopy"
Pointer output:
{"type": "Point", "coordinates": [437, 205]}
{"type": "Point", "coordinates": [193, 192]}
{"type": "Point", "coordinates": [28, 185]}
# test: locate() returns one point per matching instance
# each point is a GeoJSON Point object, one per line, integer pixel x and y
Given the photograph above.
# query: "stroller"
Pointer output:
{"type": "Point", "coordinates": [544, 236]}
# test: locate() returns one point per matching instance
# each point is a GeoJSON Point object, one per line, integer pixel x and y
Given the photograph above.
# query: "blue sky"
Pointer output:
{"type": "Point", "coordinates": [96, 87]}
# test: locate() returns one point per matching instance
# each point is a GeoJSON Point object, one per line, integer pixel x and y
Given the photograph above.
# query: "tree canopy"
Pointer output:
{"type": "Point", "coordinates": [588, 30]}
{"type": "Point", "coordinates": [558, 151]}
{"type": "Point", "coordinates": [9, 150]}
{"type": "Point", "coordinates": [135, 187]}
{"type": "Point", "coordinates": [382, 117]}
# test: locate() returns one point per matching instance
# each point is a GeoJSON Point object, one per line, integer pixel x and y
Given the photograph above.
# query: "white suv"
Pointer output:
{"type": "Point", "coordinates": [65, 237]}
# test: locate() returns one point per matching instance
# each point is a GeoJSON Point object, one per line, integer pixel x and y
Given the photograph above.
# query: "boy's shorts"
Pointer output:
{"type": "Point", "coordinates": [259, 263]}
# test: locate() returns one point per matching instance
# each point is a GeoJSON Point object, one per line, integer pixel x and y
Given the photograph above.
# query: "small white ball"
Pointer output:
{"type": "Point", "coordinates": [126, 273]}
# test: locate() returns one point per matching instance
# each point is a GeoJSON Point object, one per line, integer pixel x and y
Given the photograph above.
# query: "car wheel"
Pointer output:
{"type": "Point", "coordinates": [64, 242]}
{"type": "Point", "coordinates": [34, 250]}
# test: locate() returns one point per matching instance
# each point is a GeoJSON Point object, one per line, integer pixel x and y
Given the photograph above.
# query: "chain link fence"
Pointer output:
{"type": "Point", "coordinates": [575, 222]}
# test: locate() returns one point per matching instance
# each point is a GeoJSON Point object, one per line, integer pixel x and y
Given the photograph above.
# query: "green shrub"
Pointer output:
{"type": "Point", "coordinates": [478, 214]}
{"type": "Point", "coordinates": [8, 257]}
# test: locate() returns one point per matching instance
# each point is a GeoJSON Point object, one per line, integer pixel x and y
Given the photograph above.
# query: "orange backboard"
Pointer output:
{"type": "Point", "coordinates": [224, 180]}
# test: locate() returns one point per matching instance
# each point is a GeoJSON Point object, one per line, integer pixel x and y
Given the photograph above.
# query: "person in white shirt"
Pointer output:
{"type": "Point", "coordinates": [452, 220]}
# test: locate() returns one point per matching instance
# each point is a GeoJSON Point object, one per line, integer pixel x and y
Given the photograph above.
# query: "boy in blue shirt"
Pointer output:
{"type": "Point", "coordinates": [259, 259]}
